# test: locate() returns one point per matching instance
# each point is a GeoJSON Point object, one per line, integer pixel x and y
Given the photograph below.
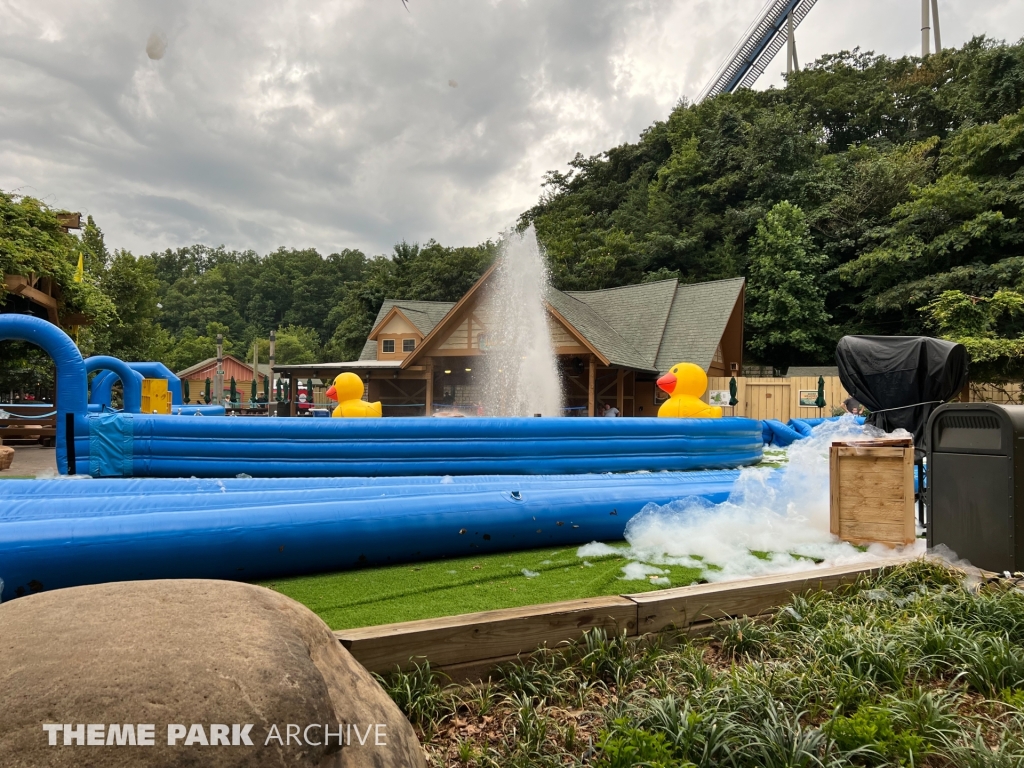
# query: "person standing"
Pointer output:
{"type": "Point", "coordinates": [610, 410]}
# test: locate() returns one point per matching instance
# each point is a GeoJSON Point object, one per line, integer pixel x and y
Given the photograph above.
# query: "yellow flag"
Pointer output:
{"type": "Point", "coordinates": [80, 272]}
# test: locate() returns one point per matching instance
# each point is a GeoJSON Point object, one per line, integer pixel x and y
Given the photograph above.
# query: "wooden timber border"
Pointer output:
{"type": "Point", "coordinates": [469, 645]}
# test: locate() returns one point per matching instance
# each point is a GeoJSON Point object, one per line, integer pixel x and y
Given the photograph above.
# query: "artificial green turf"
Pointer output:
{"type": "Point", "coordinates": [449, 587]}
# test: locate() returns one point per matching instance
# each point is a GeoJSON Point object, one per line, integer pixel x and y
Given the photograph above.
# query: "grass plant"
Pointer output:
{"type": "Point", "coordinates": [915, 667]}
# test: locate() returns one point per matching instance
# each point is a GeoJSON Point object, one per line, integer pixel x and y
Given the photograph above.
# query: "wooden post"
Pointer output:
{"type": "Point", "coordinates": [430, 387]}
{"type": "Point", "coordinates": [620, 391]}
{"type": "Point", "coordinates": [293, 394]}
{"type": "Point", "coordinates": [218, 377]}
{"type": "Point", "coordinates": [592, 389]}
{"type": "Point", "coordinates": [273, 382]}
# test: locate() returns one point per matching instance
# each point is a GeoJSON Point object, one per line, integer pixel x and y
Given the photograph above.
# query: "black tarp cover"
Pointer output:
{"type": "Point", "coordinates": [887, 372]}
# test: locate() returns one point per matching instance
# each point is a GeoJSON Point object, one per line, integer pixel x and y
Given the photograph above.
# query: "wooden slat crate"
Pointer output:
{"type": "Point", "coordinates": [872, 491]}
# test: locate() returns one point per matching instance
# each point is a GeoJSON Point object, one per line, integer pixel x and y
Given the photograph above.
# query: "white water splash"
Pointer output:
{"type": "Point", "coordinates": [781, 512]}
{"type": "Point", "coordinates": [520, 366]}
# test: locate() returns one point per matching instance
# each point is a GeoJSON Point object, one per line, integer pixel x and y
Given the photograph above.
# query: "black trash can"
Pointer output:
{"type": "Point", "coordinates": [975, 468]}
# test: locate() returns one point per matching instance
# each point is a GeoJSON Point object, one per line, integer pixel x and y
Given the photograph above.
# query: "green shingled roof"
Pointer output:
{"type": "Point", "coordinates": [597, 330]}
{"type": "Point", "coordinates": [649, 327]}
{"type": "Point", "coordinates": [697, 322]}
{"type": "Point", "coordinates": [637, 313]}
{"type": "Point", "coordinates": [423, 314]}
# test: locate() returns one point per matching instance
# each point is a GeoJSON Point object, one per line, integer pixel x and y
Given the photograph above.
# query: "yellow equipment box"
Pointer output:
{"type": "Point", "coordinates": [155, 397]}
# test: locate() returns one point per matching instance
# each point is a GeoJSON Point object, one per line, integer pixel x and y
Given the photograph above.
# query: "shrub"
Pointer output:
{"type": "Point", "coordinates": [868, 736]}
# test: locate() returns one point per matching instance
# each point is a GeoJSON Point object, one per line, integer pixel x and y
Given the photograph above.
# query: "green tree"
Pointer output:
{"type": "Point", "coordinates": [295, 345]}
{"type": "Point", "coordinates": [989, 327]}
{"type": "Point", "coordinates": [189, 347]}
{"type": "Point", "coordinates": [786, 319]}
{"type": "Point", "coordinates": [131, 285]}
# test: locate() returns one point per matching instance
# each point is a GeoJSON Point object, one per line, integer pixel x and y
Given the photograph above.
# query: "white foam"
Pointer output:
{"type": "Point", "coordinates": [530, 574]}
{"type": "Point", "coordinates": [639, 571]}
{"type": "Point", "coordinates": [782, 512]}
{"type": "Point", "coordinates": [52, 474]}
{"type": "Point", "coordinates": [597, 549]}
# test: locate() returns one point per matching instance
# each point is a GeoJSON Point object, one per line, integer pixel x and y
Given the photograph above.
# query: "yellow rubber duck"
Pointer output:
{"type": "Point", "coordinates": [685, 383]}
{"type": "Point", "coordinates": [348, 391]}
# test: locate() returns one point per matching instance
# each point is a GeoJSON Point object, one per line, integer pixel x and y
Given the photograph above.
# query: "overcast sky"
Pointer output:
{"type": "Point", "coordinates": [356, 123]}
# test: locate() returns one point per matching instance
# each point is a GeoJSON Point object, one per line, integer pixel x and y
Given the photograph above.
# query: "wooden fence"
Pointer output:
{"type": "Point", "coordinates": [1005, 394]}
{"type": "Point", "coordinates": [767, 398]}
{"type": "Point", "coordinates": [778, 398]}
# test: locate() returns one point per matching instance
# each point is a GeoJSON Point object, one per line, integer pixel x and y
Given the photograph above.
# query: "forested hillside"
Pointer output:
{"type": "Point", "coordinates": [851, 199]}
{"type": "Point", "coordinates": [870, 195]}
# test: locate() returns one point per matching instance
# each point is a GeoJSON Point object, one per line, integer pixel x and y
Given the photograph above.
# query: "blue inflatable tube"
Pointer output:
{"type": "Point", "coordinates": [197, 410]}
{"type": "Point", "coordinates": [176, 410]}
{"type": "Point", "coordinates": [255, 529]}
{"type": "Point", "coordinates": [780, 434]}
{"type": "Point", "coordinates": [128, 445]}
{"type": "Point", "coordinates": [70, 375]}
{"type": "Point", "coordinates": [160, 371]}
{"type": "Point", "coordinates": [102, 384]}
{"type": "Point", "coordinates": [803, 427]}
{"type": "Point", "coordinates": [131, 381]}
{"type": "Point", "coordinates": [99, 388]}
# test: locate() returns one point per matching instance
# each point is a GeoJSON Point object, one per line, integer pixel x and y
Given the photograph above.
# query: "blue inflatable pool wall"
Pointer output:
{"type": "Point", "coordinates": [134, 445]}
{"type": "Point", "coordinates": [62, 533]}
{"type": "Point", "coordinates": [366, 491]}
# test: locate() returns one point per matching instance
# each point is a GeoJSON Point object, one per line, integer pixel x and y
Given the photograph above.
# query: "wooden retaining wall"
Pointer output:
{"type": "Point", "coordinates": [467, 646]}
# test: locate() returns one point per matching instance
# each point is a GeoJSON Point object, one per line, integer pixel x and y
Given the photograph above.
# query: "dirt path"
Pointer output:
{"type": "Point", "coordinates": [31, 461]}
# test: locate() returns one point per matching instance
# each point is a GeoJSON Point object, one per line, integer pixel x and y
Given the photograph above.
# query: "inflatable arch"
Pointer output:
{"type": "Point", "coordinates": [99, 393]}
{"type": "Point", "coordinates": [130, 380]}
{"type": "Point", "coordinates": [71, 375]}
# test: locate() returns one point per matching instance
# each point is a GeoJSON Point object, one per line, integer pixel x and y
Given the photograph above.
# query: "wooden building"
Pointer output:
{"type": "Point", "coordinates": [242, 372]}
{"type": "Point", "coordinates": [611, 345]}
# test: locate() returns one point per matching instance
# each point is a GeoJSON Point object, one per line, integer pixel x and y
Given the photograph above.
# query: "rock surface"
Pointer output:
{"type": "Point", "coordinates": [184, 652]}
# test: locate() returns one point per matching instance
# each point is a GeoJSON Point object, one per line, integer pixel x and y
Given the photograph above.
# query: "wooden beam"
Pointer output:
{"type": "Point", "coordinates": [486, 635]}
{"type": "Point", "coordinates": [580, 338]}
{"type": "Point", "coordinates": [683, 606]}
{"type": "Point", "coordinates": [592, 387]}
{"type": "Point", "coordinates": [451, 320]}
{"type": "Point", "coordinates": [430, 387]}
{"type": "Point", "coordinates": [293, 388]}
{"type": "Point", "coordinates": [70, 220]}
{"type": "Point", "coordinates": [471, 644]}
{"type": "Point", "coordinates": [620, 391]}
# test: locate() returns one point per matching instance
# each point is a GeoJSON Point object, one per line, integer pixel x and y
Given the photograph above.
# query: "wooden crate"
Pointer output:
{"type": "Point", "coordinates": [872, 491]}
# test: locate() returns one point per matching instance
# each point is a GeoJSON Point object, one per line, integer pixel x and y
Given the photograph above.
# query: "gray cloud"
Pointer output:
{"type": "Point", "coordinates": [339, 124]}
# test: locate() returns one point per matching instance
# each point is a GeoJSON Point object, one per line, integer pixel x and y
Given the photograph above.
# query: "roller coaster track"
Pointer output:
{"type": "Point", "coordinates": [758, 46]}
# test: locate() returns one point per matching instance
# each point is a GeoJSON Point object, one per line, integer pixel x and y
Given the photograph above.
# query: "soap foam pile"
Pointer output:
{"type": "Point", "coordinates": [782, 512]}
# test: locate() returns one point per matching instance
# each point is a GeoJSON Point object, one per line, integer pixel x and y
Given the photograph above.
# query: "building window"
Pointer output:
{"type": "Point", "coordinates": [408, 345]}
{"type": "Point", "coordinates": [387, 346]}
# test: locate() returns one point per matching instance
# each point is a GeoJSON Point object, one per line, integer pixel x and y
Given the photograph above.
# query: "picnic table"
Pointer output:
{"type": "Point", "coordinates": [27, 424]}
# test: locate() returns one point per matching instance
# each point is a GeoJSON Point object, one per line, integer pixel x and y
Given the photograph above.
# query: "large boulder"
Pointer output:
{"type": "Point", "coordinates": [198, 661]}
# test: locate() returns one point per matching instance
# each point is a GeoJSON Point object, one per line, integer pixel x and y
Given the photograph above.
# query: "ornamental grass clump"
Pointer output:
{"type": "Point", "coordinates": [918, 666]}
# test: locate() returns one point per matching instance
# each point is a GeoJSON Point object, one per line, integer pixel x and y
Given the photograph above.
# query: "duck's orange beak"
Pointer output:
{"type": "Point", "coordinates": [332, 393]}
{"type": "Point", "coordinates": [666, 382]}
